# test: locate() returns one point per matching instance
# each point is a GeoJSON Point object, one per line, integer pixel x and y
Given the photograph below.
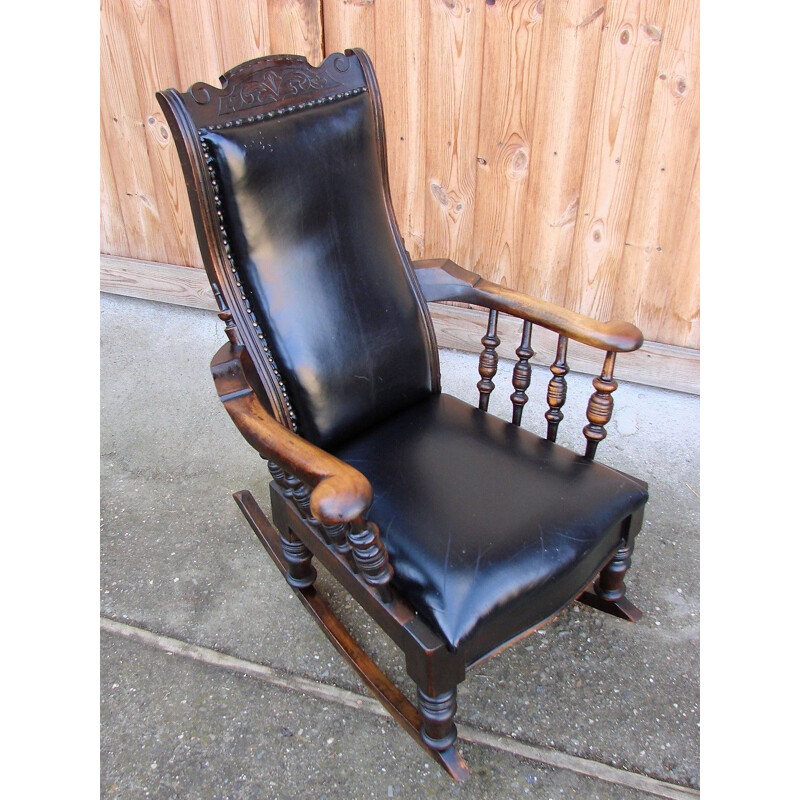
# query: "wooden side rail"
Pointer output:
{"type": "Point", "coordinates": [442, 280]}
{"type": "Point", "coordinates": [340, 493]}
{"type": "Point", "coordinates": [331, 495]}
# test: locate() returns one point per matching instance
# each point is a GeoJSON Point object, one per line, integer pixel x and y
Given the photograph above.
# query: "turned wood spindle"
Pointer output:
{"type": "Point", "coordinates": [302, 497]}
{"type": "Point", "coordinates": [370, 557]}
{"type": "Point", "coordinates": [438, 730]}
{"type": "Point", "coordinates": [487, 364]}
{"type": "Point", "coordinates": [231, 331]}
{"type": "Point", "coordinates": [300, 572]}
{"type": "Point", "coordinates": [337, 538]}
{"type": "Point", "coordinates": [557, 389]}
{"type": "Point", "coordinates": [293, 489]}
{"type": "Point", "coordinates": [280, 477]}
{"type": "Point", "coordinates": [610, 584]}
{"type": "Point", "coordinates": [521, 378]}
{"type": "Point", "coordinates": [601, 404]}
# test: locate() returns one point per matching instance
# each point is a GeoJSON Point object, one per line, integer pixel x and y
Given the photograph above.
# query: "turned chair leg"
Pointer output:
{"type": "Point", "coordinates": [300, 573]}
{"type": "Point", "coordinates": [608, 592]}
{"type": "Point", "coordinates": [438, 729]}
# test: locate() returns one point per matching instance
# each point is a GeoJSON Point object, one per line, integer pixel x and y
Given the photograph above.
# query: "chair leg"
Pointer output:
{"type": "Point", "coordinates": [438, 730]}
{"type": "Point", "coordinates": [608, 592]}
{"type": "Point", "coordinates": [390, 697]}
{"type": "Point", "coordinates": [300, 572]}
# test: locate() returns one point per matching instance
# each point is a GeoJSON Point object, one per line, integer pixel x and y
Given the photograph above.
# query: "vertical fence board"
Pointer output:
{"type": "Point", "coordinates": [681, 310]}
{"type": "Point", "coordinates": [458, 78]}
{"type": "Point", "coordinates": [626, 69]}
{"type": "Point", "coordinates": [455, 68]}
{"type": "Point", "coordinates": [400, 65]}
{"type": "Point", "coordinates": [243, 34]}
{"type": "Point", "coordinates": [508, 91]}
{"type": "Point", "coordinates": [658, 282]}
{"type": "Point", "coordinates": [348, 24]}
{"type": "Point", "coordinates": [149, 31]}
{"type": "Point", "coordinates": [567, 66]}
{"type": "Point", "coordinates": [295, 27]}
{"type": "Point", "coordinates": [113, 236]}
{"type": "Point", "coordinates": [123, 127]}
{"type": "Point", "coordinates": [198, 43]}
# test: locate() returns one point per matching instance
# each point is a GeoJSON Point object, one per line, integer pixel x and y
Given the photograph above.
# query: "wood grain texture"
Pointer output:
{"type": "Point", "coordinates": [658, 284]}
{"type": "Point", "coordinates": [457, 328]}
{"type": "Point", "coordinates": [400, 62]}
{"type": "Point", "coordinates": [147, 26]}
{"type": "Point", "coordinates": [349, 23]}
{"type": "Point", "coordinates": [512, 38]}
{"type": "Point", "coordinates": [147, 45]}
{"type": "Point", "coordinates": [455, 70]}
{"type": "Point", "coordinates": [627, 65]}
{"type": "Point", "coordinates": [571, 34]}
{"type": "Point", "coordinates": [295, 28]}
{"type": "Point", "coordinates": [457, 78]}
{"type": "Point", "coordinates": [149, 280]}
{"type": "Point", "coordinates": [123, 127]}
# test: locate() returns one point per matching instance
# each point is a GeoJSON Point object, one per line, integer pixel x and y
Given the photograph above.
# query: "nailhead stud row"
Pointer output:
{"type": "Point", "coordinates": [226, 246]}
{"type": "Point", "coordinates": [279, 112]}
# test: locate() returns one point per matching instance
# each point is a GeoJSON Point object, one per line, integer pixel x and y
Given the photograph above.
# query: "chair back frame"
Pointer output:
{"type": "Point", "coordinates": [261, 89]}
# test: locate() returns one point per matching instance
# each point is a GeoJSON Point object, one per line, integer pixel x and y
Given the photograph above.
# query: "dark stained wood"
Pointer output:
{"type": "Point", "coordinates": [299, 573]}
{"type": "Point", "coordinates": [608, 592]}
{"type": "Point", "coordinates": [521, 377]}
{"type": "Point", "coordinates": [601, 405]}
{"type": "Point", "coordinates": [320, 504]}
{"type": "Point", "coordinates": [390, 697]}
{"type": "Point", "coordinates": [557, 389]}
{"type": "Point", "coordinates": [438, 730]}
{"type": "Point", "coordinates": [341, 493]}
{"type": "Point", "coordinates": [487, 363]}
{"type": "Point", "coordinates": [370, 557]}
{"type": "Point", "coordinates": [442, 279]}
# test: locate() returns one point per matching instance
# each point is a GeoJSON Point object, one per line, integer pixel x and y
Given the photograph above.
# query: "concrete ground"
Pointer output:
{"type": "Point", "coordinates": [217, 684]}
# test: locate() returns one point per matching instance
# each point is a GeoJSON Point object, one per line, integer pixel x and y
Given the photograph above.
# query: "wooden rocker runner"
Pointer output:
{"type": "Point", "coordinates": [459, 533]}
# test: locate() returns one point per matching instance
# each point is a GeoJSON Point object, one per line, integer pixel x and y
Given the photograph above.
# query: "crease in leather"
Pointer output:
{"type": "Point", "coordinates": [303, 201]}
{"type": "Point", "coordinates": [490, 529]}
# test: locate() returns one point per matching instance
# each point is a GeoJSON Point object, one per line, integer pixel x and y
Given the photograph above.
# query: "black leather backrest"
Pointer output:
{"type": "Point", "coordinates": [301, 200]}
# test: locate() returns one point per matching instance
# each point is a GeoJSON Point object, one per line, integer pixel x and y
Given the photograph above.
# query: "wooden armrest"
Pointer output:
{"type": "Point", "coordinates": [340, 493]}
{"type": "Point", "coordinates": [442, 279]}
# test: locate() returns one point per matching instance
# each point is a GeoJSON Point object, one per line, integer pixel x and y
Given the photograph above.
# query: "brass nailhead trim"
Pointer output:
{"type": "Point", "coordinates": [279, 112]}
{"type": "Point", "coordinates": [250, 313]}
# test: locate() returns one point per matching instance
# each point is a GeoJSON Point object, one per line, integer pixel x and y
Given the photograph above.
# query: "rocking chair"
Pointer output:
{"type": "Point", "coordinates": [457, 532]}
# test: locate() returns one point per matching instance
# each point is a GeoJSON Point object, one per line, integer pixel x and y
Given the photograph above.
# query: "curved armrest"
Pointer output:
{"type": "Point", "coordinates": [442, 279]}
{"type": "Point", "coordinates": [340, 493]}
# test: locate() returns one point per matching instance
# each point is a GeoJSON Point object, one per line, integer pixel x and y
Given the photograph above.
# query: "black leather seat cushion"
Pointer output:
{"type": "Point", "coordinates": [490, 528]}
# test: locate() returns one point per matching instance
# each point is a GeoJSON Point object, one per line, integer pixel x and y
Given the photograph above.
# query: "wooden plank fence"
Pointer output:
{"type": "Point", "coordinates": [551, 145]}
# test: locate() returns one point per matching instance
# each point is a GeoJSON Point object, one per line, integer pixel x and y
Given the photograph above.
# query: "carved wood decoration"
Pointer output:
{"type": "Point", "coordinates": [259, 90]}
{"type": "Point", "coordinates": [252, 92]}
{"type": "Point", "coordinates": [266, 86]}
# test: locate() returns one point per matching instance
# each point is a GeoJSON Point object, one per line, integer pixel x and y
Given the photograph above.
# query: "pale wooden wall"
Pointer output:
{"type": "Point", "coordinates": [551, 145]}
{"type": "Point", "coordinates": [147, 45]}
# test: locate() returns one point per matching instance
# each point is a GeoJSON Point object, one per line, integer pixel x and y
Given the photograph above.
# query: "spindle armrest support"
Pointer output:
{"type": "Point", "coordinates": [340, 493]}
{"type": "Point", "coordinates": [442, 279]}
